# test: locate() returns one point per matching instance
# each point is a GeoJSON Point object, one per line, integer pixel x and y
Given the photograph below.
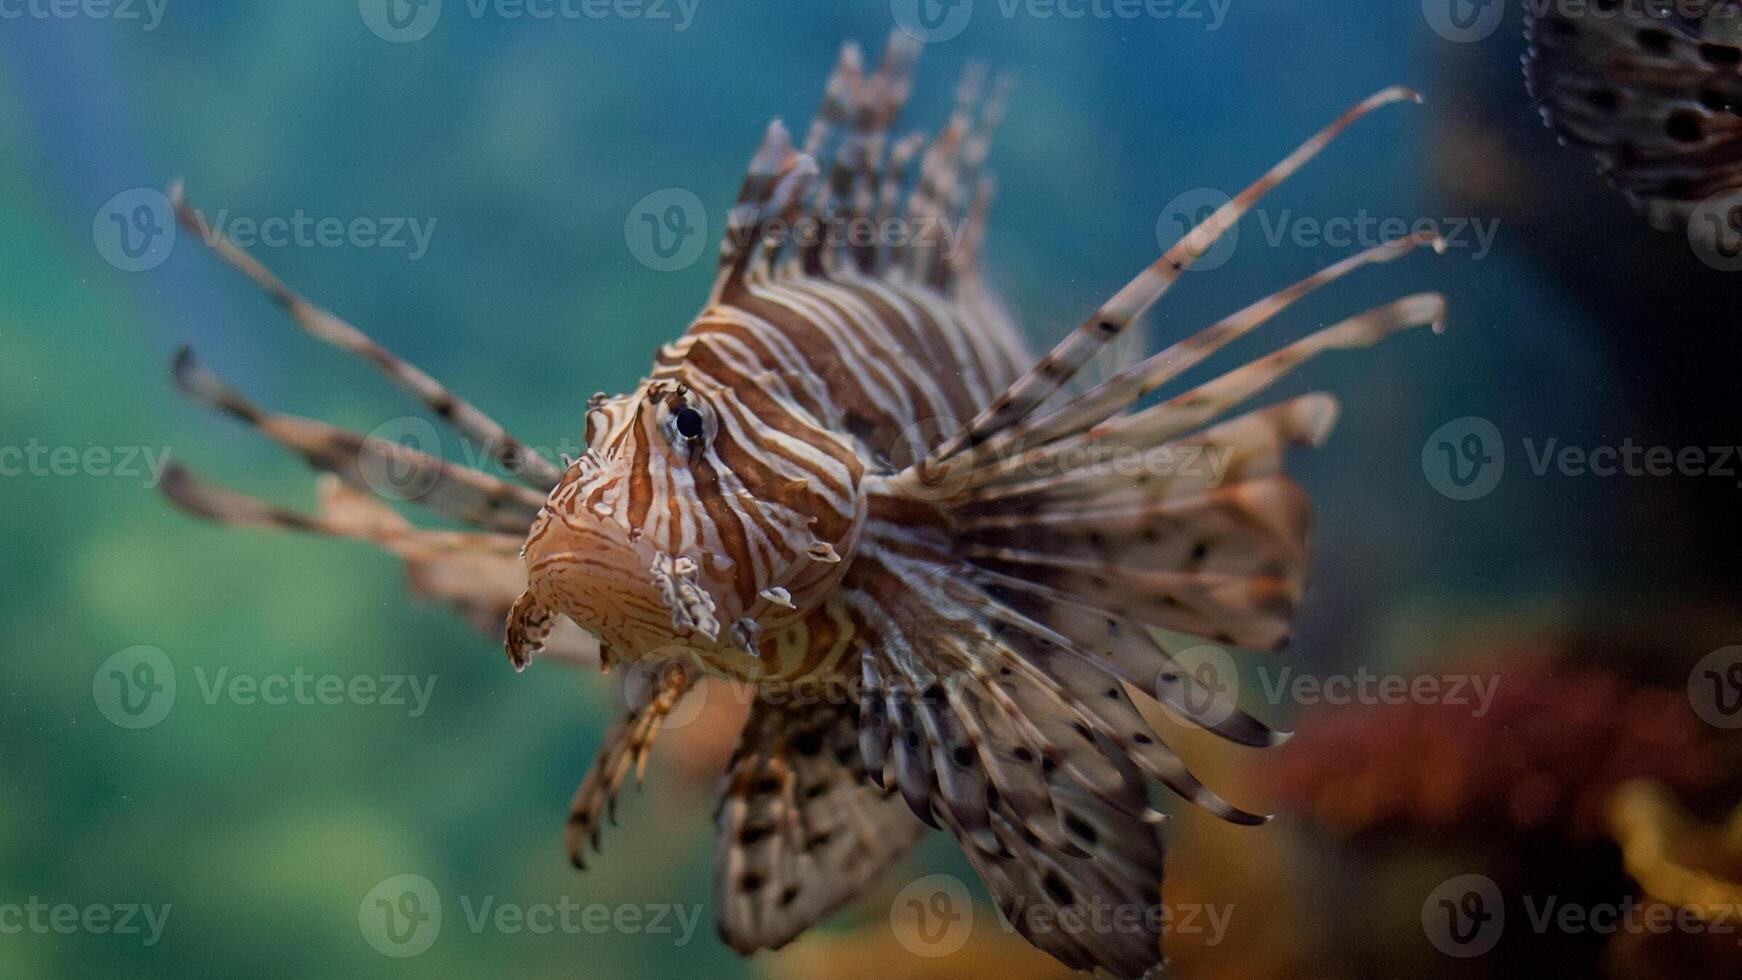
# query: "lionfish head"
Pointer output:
{"type": "Point", "coordinates": [697, 518]}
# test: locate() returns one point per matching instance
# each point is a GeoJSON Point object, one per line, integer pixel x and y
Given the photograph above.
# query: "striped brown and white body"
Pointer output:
{"type": "Point", "coordinates": [806, 393]}
{"type": "Point", "coordinates": [849, 469]}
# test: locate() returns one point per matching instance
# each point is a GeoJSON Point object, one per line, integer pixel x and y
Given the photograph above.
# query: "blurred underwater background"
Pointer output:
{"type": "Point", "coordinates": [1579, 616]}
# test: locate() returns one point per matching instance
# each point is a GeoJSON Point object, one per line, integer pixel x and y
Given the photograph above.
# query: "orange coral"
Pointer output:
{"type": "Point", "coordinates": [1553, 746]}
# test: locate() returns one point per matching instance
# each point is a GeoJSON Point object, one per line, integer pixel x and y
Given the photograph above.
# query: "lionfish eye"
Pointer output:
{"type": "Point", "coordinates": [688, 422]}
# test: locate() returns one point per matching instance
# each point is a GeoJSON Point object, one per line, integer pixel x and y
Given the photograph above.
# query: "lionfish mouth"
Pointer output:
{"type": "Point", "coordinates": [692, 608]}
{"type": "Point", "coordinates": [632, 595]}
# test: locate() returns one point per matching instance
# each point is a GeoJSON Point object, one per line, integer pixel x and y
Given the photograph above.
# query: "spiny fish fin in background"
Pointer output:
{"type": "Point", "coordinates": [802, 828]}
{"type": "Point", "coordinates": [1654, 90]}
{"type": "Point", "coordinates": [1059, 365]}
{"type": "Point", "coordinates": [1124, 353]}
{"type": "Point", "coordinates": [650, 692]}
{"type": "Point", "coordinates": [858, 204]}
{"type": "Point", "coordinates": [488, 434]}
{"type": "Point", "coordinates": [1217, 553]}
{"type": "Point", "coordinates": [459, 493]}
{"type": "Point", "coordinates": [478, 573]}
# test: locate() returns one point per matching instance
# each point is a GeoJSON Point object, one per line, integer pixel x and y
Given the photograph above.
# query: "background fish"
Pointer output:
{"type": "Point", "coordinates": [1654, 89]}
{"type": "Point", "coordinates": [850, 470]}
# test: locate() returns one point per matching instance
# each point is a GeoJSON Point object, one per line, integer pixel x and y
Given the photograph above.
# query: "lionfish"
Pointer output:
{"type": "Point", "coordinates": [850, 469]}
{"type": "Point", "coordinates": [1654, 89]}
